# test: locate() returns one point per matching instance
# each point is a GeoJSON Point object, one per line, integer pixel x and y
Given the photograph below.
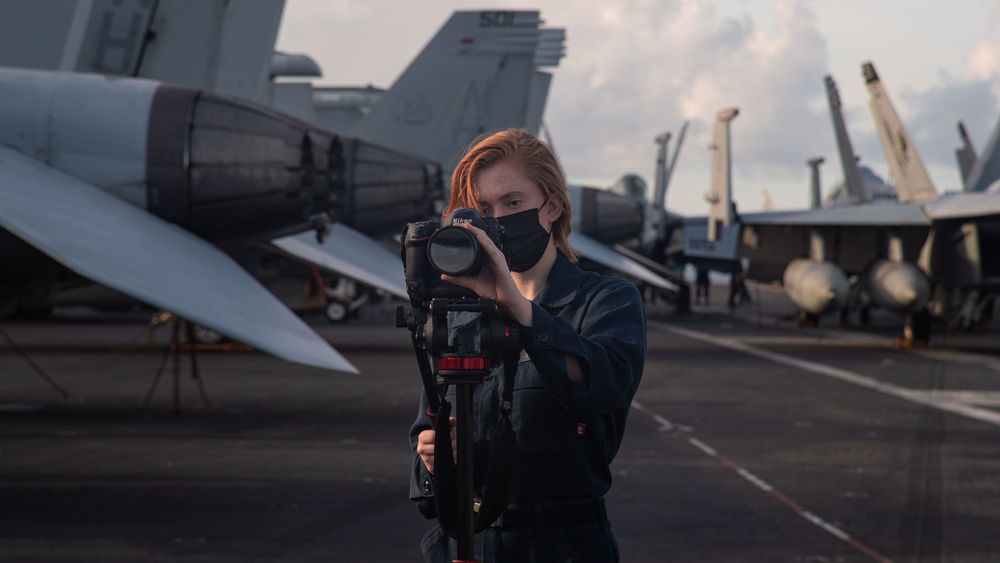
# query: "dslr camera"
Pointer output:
{"type": "Point", "coordinates": [430, 249]}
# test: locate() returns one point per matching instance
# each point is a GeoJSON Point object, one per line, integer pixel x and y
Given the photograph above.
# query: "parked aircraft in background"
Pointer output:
{"type": "Point", "coordinates": [965, 227]}
{"type": "Point", "coordinates": [482, 72]}
{"type": "Point", "coordinates": [653, 238]}
{"type": "Point", "coordinates": [710, 242]}
{"type": "Point", "coordinates": [886, 250]}
{"type": "Point", "coordinates": [961, 250]}
{"type": "Point", "coordinates": [816, 252]}
{"type": "Point", "coordinates": [633, 221]}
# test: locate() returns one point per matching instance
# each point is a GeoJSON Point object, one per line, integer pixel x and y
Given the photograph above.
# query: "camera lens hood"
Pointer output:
{"type": "Point", "coordinates": [454, 251]}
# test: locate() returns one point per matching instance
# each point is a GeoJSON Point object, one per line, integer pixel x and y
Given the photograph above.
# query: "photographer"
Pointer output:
{"type": "Point", "coordinates": [584, 341]}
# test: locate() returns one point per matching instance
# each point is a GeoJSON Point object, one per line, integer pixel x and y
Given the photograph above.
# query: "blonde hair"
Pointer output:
{"type": "Point", "coordinates": [536, 161]}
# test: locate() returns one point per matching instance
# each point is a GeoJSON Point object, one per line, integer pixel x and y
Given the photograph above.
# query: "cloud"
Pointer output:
{"type": "Point", "coordinates": [983, 60]}
{"type": "Point", "coordinates": [633, 73]}
{"type": "Point", "coordinates": [938, 109]}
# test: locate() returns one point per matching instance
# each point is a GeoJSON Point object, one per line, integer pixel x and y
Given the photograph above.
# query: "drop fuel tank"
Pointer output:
{"type": "Point", "coordinates": [816, 287]}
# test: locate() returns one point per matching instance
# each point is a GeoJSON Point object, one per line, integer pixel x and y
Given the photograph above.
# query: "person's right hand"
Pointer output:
{"type": "Point", "coordinates": [494, 280]}
{"type": "Point", "coordinates": [425, 446]}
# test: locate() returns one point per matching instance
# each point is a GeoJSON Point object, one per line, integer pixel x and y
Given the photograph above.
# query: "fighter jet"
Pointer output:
{"type": "Point", "coordinates": [892, 248]}
{"type": "Point", "coordinates": [141, 184]}
{"type": "Point", "coordinates": [633, 221]}
{"type": "Point", "coordinates": [132, 183]}
{"type": "Point", "coordinates": [963, 225]}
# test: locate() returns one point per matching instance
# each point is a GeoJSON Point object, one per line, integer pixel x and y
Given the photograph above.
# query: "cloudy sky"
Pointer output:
{"type": "Point", "coordinates": [636, 68]}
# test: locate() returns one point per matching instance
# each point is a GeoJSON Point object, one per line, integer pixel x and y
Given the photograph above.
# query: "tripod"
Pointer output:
{"type": "Point", "coordinates": [456, 365]}
{"type": "Point", "coordinates": [180, 327]}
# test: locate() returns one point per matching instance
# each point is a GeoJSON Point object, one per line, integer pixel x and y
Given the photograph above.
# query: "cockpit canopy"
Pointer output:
{"type": "Point", "coordinates": [630, 185]}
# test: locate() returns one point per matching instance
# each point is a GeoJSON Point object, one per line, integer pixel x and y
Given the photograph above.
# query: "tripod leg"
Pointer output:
{"type": "Point", "coordinates": [156, 379]}
{"type": "Point", "coordinates": [195, 373]}
{"type": "Point", "coordinates": [159, 371]}
{"type": "Point", "coordinates": [31, 363]}
{"type": "Point", "coordinates": [177, 369]}
{"type": "Point", "coordinates": [466, 515]}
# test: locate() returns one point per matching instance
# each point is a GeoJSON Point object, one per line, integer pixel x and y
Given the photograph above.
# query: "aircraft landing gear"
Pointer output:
{"type": "Point", "coordinates": [336, 311]}
{"type": "Point", "coordinates": [916, 331]}
{"type": "Point", "coordinates": [204, 335]}
{"type": "Point", "coordinates": [344, 300]}
{"type": "Point", "coordinates": [808, 320]}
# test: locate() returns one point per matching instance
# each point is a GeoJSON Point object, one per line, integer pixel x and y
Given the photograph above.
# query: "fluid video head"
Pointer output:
{"type": "Point", "coordinates": [430, 250]}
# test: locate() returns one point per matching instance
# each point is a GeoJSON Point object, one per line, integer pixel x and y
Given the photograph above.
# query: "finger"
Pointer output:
{"type": "Point", "coordinates": [467, 282]}
{"type": "Point", "coordinates": [496, 255]}
{"type": "Point", "coordinates": [486, 243]}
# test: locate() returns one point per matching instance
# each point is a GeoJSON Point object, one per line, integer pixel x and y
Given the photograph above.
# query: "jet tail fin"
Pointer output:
{"type": "Point", "coordinates": [476, 75]}
{"type": "Point", "coordinates": [965, 155]}
{"type": "Point", "coordinates": [909, 176]}
{"type": "Point", "coordinates": [95, 36]}
{"type": "Point", "coordinates": [986, 169]}
{"type": "Point", "coordinates": [221, 46]}
{"type": "Point", "coordinates": [551, 48]}
{"type": "Point", "coordinates": [720, 197]}
{"type": "Point", "coordinates": [852, 176]}
{"type": "Point", "coordinates": [664, 168]}
{"type": "Point", "coordinates": [215, 45]}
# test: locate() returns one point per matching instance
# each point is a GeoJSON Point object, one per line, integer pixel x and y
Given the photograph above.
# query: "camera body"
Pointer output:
{"type": "Point", "coordinates": [430, 250]}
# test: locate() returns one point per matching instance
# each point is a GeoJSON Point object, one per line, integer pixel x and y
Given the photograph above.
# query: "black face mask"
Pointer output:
{"type": "Point", "coordinates": [526, 239]}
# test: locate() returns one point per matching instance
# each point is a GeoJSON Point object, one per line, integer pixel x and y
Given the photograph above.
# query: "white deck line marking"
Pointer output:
{"type": "Point", "coordinates": [763, 485]}
{"type": "Point", "coordinates": [665, 425]}
{"type": "Point", "coordinates": [942, 401]}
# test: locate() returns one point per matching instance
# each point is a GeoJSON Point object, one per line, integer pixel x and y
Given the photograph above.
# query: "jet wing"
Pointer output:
{"type": "Point", "coordinates": [349, 253]}
{"type": "Point", "coordinates": [964, 205]}
{"type": "Point", "coordinates": [607, 257]}
{"type": "Point", "coordinates": [122, 246]}
{"type": "Point", "coordinates": [869, 215]}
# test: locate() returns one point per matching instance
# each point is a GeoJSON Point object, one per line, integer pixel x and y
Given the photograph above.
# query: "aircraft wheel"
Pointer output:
{"type": "Point", "coordinates": [809, 320]}
{"type": "Point", "coordinates": [336, 311]}
{"type": "Point", "coordinates": [204, 335]}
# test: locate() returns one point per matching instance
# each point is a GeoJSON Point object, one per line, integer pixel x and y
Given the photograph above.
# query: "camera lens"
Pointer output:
{"type": "Point", "coordinates": [453, 251]}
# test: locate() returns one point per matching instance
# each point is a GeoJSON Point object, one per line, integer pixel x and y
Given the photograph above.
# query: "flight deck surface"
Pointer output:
{"type": "Point", "coordinates": [750, 440]}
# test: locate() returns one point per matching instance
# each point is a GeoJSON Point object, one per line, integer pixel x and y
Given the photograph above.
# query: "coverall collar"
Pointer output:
{"type": "Point", "coordinates": [562, 284]}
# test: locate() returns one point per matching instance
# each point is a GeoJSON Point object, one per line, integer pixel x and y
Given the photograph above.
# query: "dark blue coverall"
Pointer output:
{"type": "Point", "coordinates": [567, 432]}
